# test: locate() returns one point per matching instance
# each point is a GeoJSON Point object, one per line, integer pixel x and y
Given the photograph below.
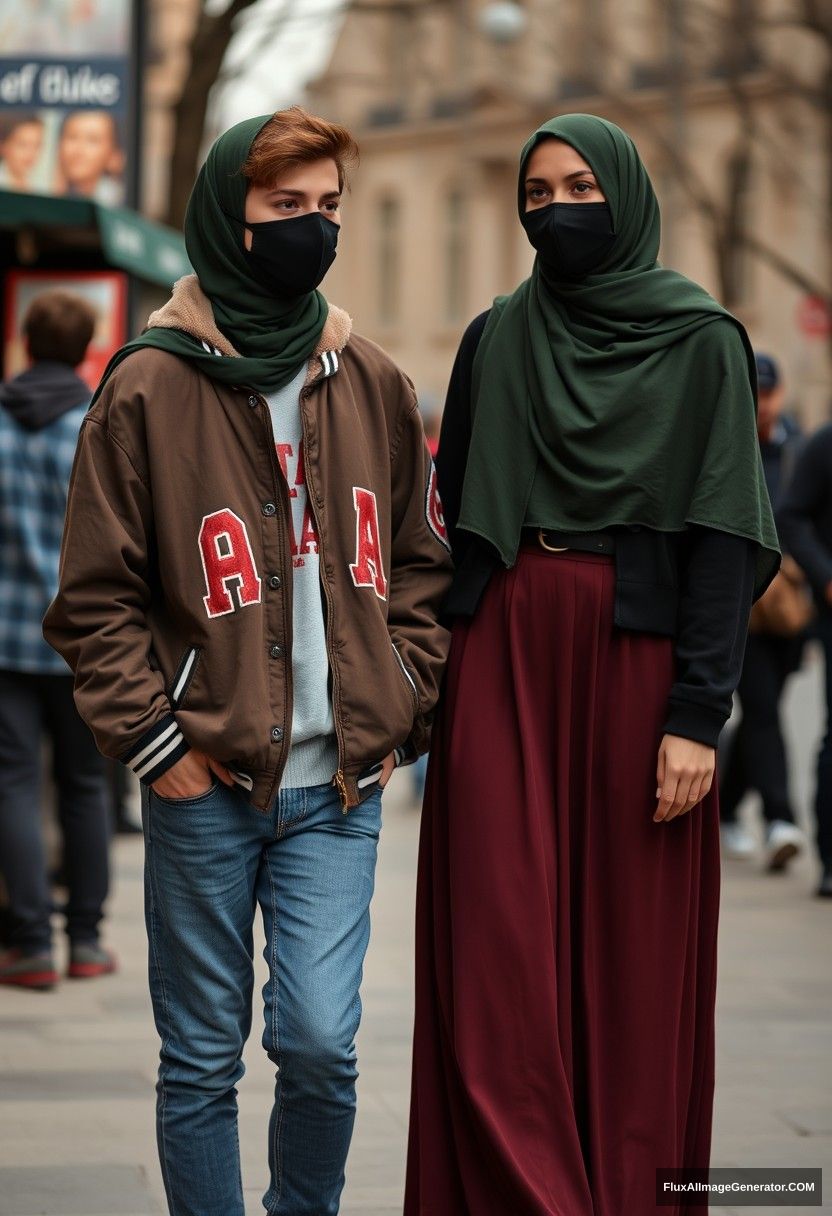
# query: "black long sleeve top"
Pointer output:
{"type": "Point", "coordinates": [696, 586]}
{"type": "Point", "coordinates": [804, 518]}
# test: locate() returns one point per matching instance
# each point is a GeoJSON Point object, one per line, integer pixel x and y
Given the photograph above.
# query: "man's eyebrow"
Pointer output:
{"type": "Point", "coordinates": [302, 193]}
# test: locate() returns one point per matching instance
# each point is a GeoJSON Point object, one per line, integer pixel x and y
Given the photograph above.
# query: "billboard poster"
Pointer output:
{"type": "Point", "coordinates": [65, 81]}
{"type": "Point", "coordinates": [105, 290]}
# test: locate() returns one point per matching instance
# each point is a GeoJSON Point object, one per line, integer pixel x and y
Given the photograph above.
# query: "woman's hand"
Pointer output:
{"type": "Point", "coordinates": [190, 776]}
{"type": "Point", "coordinates": [684, 774]}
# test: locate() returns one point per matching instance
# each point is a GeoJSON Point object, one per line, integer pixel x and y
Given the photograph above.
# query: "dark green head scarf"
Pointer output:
{"type": "Point", "coordinates": [629, 394]}
{"type": "Point", "coordinates": [274, 337]}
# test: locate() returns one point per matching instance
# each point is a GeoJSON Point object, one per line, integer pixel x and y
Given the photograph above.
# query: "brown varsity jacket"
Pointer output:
{"type": "Point", "coordinates": [175, 601]}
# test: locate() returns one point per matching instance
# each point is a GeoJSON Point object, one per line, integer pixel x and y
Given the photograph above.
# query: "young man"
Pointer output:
{"type": "Point", "coordinates": [252, 567]}
{"type": "Point", "coordinates": [41, 411]}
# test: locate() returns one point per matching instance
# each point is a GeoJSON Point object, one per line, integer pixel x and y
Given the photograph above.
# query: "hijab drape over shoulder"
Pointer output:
{"type": "Point", "coordinates": [630, 394]}
{"type": "Point", "coordinates": [273, 337]}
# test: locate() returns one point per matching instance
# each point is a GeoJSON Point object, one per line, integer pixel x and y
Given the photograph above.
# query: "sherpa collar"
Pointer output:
{"type": "Point", "coordinates": [189, 309]}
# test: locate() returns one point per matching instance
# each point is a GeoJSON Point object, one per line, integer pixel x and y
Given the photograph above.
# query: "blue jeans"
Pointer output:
{"type": "Point", "coordinates": [210, 861]}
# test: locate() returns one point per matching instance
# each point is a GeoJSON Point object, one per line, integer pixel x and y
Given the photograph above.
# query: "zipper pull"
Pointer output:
{"type": "Point", "coordinates": [340, 781]}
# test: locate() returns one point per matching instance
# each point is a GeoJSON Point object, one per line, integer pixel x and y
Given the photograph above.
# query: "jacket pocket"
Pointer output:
{"type": "Point", "coordinates": [184, 675]}
{"type": "Point", "coordinates": [407, 677]}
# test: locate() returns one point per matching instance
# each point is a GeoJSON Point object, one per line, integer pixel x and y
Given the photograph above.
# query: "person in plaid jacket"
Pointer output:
{"type": "Point", "coordinates": [40, 415]}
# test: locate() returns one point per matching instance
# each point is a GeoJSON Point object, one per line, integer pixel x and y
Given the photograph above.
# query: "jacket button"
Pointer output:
{"type": "Point", "coordinates": [277, 734]}
{"type": "Point", "coordinates": [275, 651]}
{"type": "Point", "coordinates": [253, 401]}
{"type": "Point", "coordinates": [269, 508]}
{"type": "Point", "coordinates": [274, 582]}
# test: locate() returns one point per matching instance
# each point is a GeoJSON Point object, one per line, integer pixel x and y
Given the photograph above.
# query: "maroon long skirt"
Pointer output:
{"type": "Point", "coordinates": [566, 943]}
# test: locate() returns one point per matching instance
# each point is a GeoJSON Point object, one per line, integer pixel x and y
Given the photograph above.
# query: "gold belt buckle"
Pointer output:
{"type": "Point", "coordinates": [550, 548]}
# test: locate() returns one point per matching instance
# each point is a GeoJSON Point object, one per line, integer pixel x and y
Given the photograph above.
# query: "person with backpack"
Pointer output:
{"type": "Point", "coordinates": [756, 751]}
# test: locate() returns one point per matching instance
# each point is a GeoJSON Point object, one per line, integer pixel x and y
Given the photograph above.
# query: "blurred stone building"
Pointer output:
{"type": "Point", "coordinates": [722, 97]}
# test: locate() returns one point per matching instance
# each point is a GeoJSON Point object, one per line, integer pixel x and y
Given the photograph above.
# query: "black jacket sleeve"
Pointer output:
{"type": "Point", "coordinates": [455, 435]}
{"type": "Point", "coordinates": [805, 509]}
{"type": "Point", "coordinates": [715, 593]}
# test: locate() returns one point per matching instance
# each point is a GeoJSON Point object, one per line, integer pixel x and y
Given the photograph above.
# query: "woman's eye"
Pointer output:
{"type": "Point", "coordinates": [583, 187]}
{"type": "Point", "coordinates": [537, 193]}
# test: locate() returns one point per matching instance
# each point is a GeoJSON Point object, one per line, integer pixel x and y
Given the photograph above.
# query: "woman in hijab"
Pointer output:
{"type": "Point", "coordinates": [610, 526]}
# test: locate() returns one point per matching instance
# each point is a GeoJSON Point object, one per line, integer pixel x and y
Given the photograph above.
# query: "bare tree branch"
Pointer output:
{"type": "Point", "coordinates": [209, 44]}
{"type": "Point", "coordinates": [786, 268]}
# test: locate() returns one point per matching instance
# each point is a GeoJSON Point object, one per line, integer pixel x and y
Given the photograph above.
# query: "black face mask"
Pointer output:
{"type": "Point", "coordinates": [291, 257]}
{"type": "Point", "coordinates": [571, 238]}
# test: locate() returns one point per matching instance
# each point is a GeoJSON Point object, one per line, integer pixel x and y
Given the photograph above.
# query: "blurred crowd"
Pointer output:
{"type": "Point", "coordinates": [41, 411]}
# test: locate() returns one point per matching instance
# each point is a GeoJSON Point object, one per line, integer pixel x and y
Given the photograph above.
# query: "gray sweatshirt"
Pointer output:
{"type": "Point", "coordinates": [313, 757]}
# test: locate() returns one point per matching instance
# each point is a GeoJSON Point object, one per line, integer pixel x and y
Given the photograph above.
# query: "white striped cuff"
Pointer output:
{"type": "Point", "coordinates": [157, 750]}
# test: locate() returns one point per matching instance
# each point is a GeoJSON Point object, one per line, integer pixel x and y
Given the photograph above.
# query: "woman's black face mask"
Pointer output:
{"type": "Point", "coordinates": [291, 257]}
{"type": "Point", "coordinates": [571, 239]}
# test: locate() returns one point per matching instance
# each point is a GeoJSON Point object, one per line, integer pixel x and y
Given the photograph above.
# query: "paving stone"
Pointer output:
{"type": "Point", "coordinates": [81, 1084]}
{"type": "Point", "coordinates": [92, 1189]}
{"type": "Point", "coordinates": [809, 1121]}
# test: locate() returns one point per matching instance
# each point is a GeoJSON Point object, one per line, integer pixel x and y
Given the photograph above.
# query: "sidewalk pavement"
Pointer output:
{"type": "Point", "coordinates": [77, 1066]}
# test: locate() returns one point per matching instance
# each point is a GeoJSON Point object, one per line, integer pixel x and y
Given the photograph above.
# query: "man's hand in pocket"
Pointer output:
{"type": "Point", "coordinates": [387, 770]}
{"type": "Point", "coordinates": [190, 776]}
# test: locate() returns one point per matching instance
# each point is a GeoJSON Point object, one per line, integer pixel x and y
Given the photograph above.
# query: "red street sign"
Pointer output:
{"type": "Point", "coordinates": [814, 316]}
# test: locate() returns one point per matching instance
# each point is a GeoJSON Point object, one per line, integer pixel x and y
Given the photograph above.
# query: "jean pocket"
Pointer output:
{"type": "Point", "coordinates": [194, 800]}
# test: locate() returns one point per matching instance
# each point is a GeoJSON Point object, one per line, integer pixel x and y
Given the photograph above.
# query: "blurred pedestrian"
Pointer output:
{"type": "Point", "coordinates": [805, 524]}
{"type": "Point", "coordinates": [603, 489]}
{"type": "Point", "coordinates": [756, 752]}
{"type": "Point", "coordinates": [251, 575]}
{"type": "Point", "coordinates": [40, 415]}
{"type": "Point", "coordinates": [123, 790]}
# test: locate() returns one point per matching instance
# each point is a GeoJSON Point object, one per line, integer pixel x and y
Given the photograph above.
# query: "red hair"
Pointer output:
{"type": "Point", "coordinates": [293, 137]}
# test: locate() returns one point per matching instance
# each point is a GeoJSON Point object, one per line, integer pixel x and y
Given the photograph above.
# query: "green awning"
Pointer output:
{"type": "Point", "coordinates": [129, 241]}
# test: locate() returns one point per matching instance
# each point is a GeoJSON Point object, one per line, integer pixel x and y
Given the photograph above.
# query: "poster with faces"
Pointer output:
{"type": "Point", "coordinates": [64, 81]}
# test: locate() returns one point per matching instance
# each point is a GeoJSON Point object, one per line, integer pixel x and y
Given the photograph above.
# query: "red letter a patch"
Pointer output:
{"type": "Point", "coordinates": [227, 557]}
{"type": "Point", "coordinates": [433, 510]}
{"type": "Point", "coordinates": [368, 568]}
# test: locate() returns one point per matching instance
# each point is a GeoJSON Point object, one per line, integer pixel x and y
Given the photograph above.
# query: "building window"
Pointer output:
{"type": "Point", "coordinates": [389, 260]}
{"type": "Point", "coordinates": [456, 260]}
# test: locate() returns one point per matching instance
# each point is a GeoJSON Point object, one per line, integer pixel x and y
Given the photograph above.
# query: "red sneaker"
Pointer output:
{"type": "Point", "coordinates": [87, 962]}
{"type": "Point", "coordinates": [35, 971]}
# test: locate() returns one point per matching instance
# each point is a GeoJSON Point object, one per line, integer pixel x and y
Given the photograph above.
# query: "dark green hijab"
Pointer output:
{"type": "Point", "coordinates": [630, 394]}
{"type": "Point", "coordinates": [274, 337]}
